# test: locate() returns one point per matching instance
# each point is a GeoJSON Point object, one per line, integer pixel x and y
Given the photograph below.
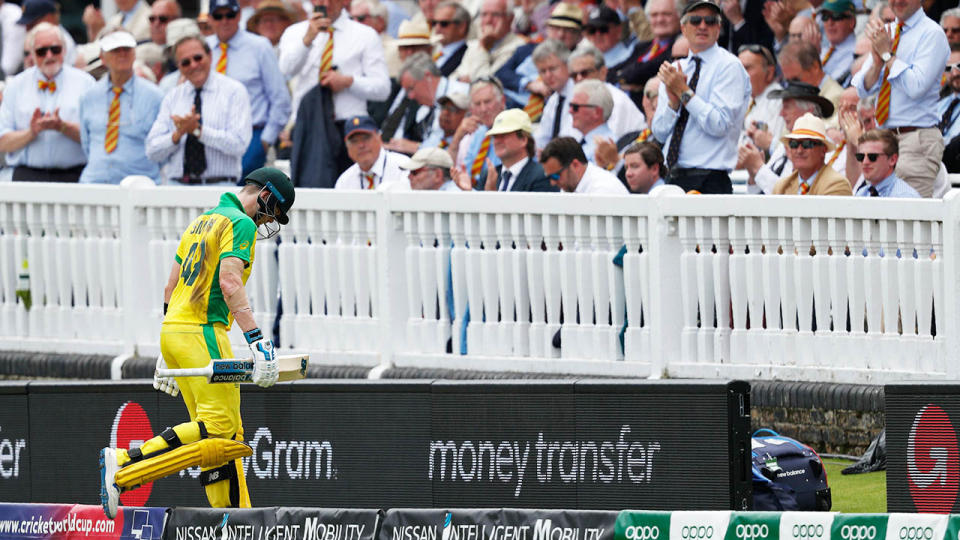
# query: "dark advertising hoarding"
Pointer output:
{"type": "Point", "coordinates": [563, 444]}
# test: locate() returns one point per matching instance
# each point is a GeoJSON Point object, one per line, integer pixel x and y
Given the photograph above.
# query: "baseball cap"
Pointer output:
{"type": "Point", "coordinates": [232, 5]}
{"type": "Point", "coordinates": [428, 157]}
{"type": "Point", "coordinates": [279, 184]}
{"type": "Point", "coordinates": [117, 40]}
{"type": "Point", "coordinates": [458, 99]}
{"type": "Point", "coordinates": [34, 9]}
{"type": "Point", "coordinates": [511, 120]}
{"type": "Point", "coordinates": [700, 3]}
{"type": "Point", "coordinates": [838, 6]}
{"type": "Point", "coordinates": [566, 15]}
{"type": "Point", "coordinates": [359, 123]}
{"type": "Point", "coordinates": [601, 16]}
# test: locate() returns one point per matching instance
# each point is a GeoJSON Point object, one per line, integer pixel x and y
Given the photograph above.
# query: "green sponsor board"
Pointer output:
{"type": "Point", "coordinates": [754, 526]}
{"type": "Point", "coordinates": [953, 527]}
{"type": "Point", "coordinates": [806, 525]}
{"type": "Point", "coordinates": [859, 527]}
{"type": "Point", "coordinates": [916, 527]}
{"type": "Point", "coordinates": [642, 526]}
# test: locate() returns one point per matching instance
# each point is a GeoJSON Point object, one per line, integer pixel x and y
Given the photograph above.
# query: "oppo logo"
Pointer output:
{"type": "Point", "coordinates": [807, 530]}
{"type": "Point", "coordinates": [642, 533]}
{"type": "Point", "coordinates": [752, 530]}
{"type": "Point", "coordinates": [916, 533]}
{"type": "Point", "coordinates": [695, 532]}
{"type": "Point", "coordinates": [858, 532]}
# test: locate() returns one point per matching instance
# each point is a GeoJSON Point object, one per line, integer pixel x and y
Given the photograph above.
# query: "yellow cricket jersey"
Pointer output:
{"type": "Point", "coordinates": [225, 231]}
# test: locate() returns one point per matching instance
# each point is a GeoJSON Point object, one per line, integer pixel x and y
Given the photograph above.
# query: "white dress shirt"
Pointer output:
{"type": "Point", "coordinates": [386, 170]}
{"type": "Point", "coordinates": [716, 112]}
{"type": "Point", "coordinates": [596, 180]}
{"type": "Point", "coordinates": [915, 74]}
{"type": "Point", "coordinates": [226, 131]}
{"type": "Point", "coordinates": [544, 132]}
{"type": "Point", "coordinates": [356, 52]}
{"type": "Point", "coordinates": [51, 149]}
{"type": "Point", "coordinates": [514, 173]}
{"type": "Point", "coordinates": [626, 116]}
{"type": "Point", "coordinates": [767, 111]}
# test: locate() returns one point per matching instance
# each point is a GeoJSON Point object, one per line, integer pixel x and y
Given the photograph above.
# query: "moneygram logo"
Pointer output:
{"type": "Point", "coordinates": [749, 531]}
{"type": "Point", "coordinates": [696, 532]}
{"type": "Point", "coordinates": [933, 473]}
{"type": "Point", "coordinates": [807, 530]}
{"type": "Point", "coordinates": [130, 428]}
{"type": "Point", "coordinates": [916, 533]}
{"type": "Point", "coordinates": [858, 532]}
{"type": "Point", "coordinates": [644, 532]}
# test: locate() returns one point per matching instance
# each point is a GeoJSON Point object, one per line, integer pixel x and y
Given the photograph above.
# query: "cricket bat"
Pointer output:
{"type": "Point", "coordinates": [292, 367]}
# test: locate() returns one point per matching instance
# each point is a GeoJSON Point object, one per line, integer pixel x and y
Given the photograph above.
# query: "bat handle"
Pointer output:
{"type": "Point", "coordinates": [192, 372]}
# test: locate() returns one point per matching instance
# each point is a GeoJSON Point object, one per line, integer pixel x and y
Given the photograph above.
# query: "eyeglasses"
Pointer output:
{"type": "Point", "coordinates": [805, 143]}
{"type": "Point", "coordinates": [42, 51]}
{"type": "Point", "coordinates": [872, 157]}
{"type": "Point", "coordinates": [759, 49]}
{"type": "Point", "coordinates": [163, 19]}
{"type": "Point", "coordinates": [591, 30]}
{"type": "Point", "coordinates": [577, 75]}
{"type": "Point", "coordinates": [710, 20]}
{"type": "Point", "coordinates": [443, 24]}
{"type": "Point", "coordinates": [556, 176]}
{"type": "Point", "coordinates": [830, 16]}
{"type": "Point", "coordinates": [951, 67]}
{"type": "Point", "coordinates": [195, 59]}
{"type": "Point", "coordinates": [575, 107]}
{"type": "Point", "coordinates": [219, 16]}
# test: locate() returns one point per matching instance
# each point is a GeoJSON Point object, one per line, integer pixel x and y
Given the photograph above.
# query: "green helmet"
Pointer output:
{"type": "Point", "coordinates": [279, 185]}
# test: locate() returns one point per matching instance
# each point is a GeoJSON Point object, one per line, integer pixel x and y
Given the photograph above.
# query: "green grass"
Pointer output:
{"type": "Point", "coordinates": [856, 492]}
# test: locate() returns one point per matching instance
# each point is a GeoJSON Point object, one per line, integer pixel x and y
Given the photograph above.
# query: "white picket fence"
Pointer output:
{"type": "Point", "coordinates": [799, 288]}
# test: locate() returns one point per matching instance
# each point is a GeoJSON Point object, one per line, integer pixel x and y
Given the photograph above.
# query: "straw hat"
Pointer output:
{"type": "Point", "coordinates": [809, 126]}
{"type": "Point", "coordinates": [413, 33]}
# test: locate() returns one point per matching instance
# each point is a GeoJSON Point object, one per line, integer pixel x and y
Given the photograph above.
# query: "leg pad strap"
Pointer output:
{"type": "Point", "coordinates": [227, 471]}
{"type": "Point", "coordinates": [206, 453]}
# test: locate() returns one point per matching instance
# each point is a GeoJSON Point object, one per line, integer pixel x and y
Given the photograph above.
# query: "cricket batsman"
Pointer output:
{"type": "Point", "coordinates": [203, 296]}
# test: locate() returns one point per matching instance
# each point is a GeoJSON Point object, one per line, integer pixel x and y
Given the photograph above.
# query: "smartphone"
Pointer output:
{"type": "Point", "coordinates": [322, 10]}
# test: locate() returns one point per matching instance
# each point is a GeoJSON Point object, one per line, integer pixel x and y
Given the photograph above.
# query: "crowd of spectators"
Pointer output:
{"type": "Point", "coordinates": [828, 97]}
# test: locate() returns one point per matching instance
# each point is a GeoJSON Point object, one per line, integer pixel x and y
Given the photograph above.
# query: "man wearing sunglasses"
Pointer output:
{"type": "Point", "coordinates": [807, 146]}
{"type": "Point", "coordinates": [161, 13]}
{"type": "Point", "coordinates": [877, 152]}
{"type": "Point", "coordinates": [948, 108]}
{"type": "Point", "coordinates": [703, 99]}
{"type": "Point", "coordinates": [203, 127]}
{"type": "Point", "coordinates": [586, 63]}
{"type": "Point", "coordinates": [836, 54]}
{"type": "Point", "coordinates": [566, 167]}
{"type": "Point", "coordinates": [904, 70]}
{"type": "Point", "coordinates": [249, 59]}
{"type": "Point", "coordinates": [605, 31]}
{"type": "Point", "coordinates": [39, 118]}
{"type": "Point", "coordinates": [47, 11]}
{"type": "Point", "coordinates": [451, 23]}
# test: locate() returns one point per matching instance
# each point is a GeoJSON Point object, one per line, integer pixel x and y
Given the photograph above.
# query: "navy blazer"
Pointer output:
{"type": "Point", "coordinates": [453, 62]}
{"type": "Point", "coordinates": [531, 178]}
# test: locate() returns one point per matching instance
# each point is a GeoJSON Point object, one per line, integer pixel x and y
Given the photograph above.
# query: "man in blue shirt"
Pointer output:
{"type": "Point", "coordinates": [116, 115]}
{"type": "Point", "coordinates": [704, 99]}
{"type": "Point", "coordinates": [948, 109]}
{"type": "Point", "coordinates": [250, 59]}
{"type": "Point", "coordinates": [878, 153]}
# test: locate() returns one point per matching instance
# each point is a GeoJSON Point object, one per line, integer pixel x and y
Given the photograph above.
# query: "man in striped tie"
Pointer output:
{"type": "Point", "coordinates": [836, 54]}
{"type": "Point", "coordinates": [115, 116]}
{"type": "Point", "coordinates": [471, 146]}
{"type": "Point", "coordinates": [904, 70]}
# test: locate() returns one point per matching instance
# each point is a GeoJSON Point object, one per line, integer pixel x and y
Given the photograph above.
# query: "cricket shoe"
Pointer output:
{"type": "Point", "coordinates": [109, 492]}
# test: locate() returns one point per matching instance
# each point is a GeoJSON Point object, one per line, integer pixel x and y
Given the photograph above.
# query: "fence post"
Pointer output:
{"type": "Point", "coordinates": [947, 330]}
{"type": "Point", "coordinates": [134, 296]}
{"type": "Point", "coordinates": [665, 309]}
{"type": "Point", "coordinates": [391, 283]}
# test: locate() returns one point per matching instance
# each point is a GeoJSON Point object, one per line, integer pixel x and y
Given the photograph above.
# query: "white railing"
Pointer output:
{"type": "Point", "coordinates": [802, 288]}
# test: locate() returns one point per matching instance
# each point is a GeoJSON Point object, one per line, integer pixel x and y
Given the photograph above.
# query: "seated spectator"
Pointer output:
{"type": "Point", "coordinates": [470, 143]}
{"type": "Point", "coordinates": [948, 109]}
{"type": "Point", "coordinates": [878, 151]}
{"type": "Point", "coordinates": [151, 56]}
{"type": "Point", "coordinates": [763, 122]}
{"type": "Point", "coordinates": [451, 23]}
{"type": "Point", "coordinates": [551, 58]}
{"type": "Point", "coordinates": [453, 109]}
{"type": "Point", "coordinates": [800, 61]}
{"type": "Point", "coordinates": [604, 30]}
{"type": "Point", "coordinates": [116, 115]}
{"type": "Point", "coordinates": [429, 169]}
{"type": "Point", "coordinates": [403, 111]}
{"type": "Point", "coordinates": [46, 11]}
{"type": "Point", "coordinates": [585, 63]}
{"type": "Point", "coordinates": [270, 19]}
{"type": "Point", "coordinates": [203, 127]}
{"type": "Point", "coordinates": [512, 135]}
{"type": "Point", "coordinates": [643, 63]}
{"type": "Point", "coordinates": [609, 154]}
{"type": "Point", "coordinates": [644, 167]}
{"type": "Point", "coordinates": [373, 165]}
{"type": "Point", "coordinates": [494, 45]}
{"type": "Point", "coordinates": [39, 120]}
{"type": "Point", "coordinates": [836, 53]}
{"type": "Point", "coordinates": [161, 13]}
{"type": "Point", "coordinates": [591, 106]}
{"type": "Point", "coordinates": [807, 148]}
{"type": "Point", "coordinates": [950, 22]}
{"type": "Point", "coordinates": [567, 168]}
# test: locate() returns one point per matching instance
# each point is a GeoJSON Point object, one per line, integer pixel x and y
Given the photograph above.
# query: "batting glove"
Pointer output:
{"type": "Point", "coordinates": [265, 368]}
{"type": "Point", "coordinates": [165, 384]}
